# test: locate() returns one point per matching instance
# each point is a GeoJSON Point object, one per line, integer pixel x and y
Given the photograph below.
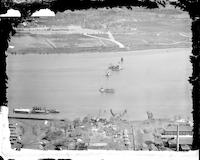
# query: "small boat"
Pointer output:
{"type": "Point", "coordinates": [107, 90]}
{"type": "Point", "coordinates": [115, 67]}
{"type": "Point", "coordinates": [53, 111]}
{"type": "Point", "coordinates": [108, 74]}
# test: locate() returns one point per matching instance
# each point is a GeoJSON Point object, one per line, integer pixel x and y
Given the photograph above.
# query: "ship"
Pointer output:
{"type": "Point", "coordinates": [35, 110]}
{"type": "Point", "coordinates": [39, 110]}
{"type": "Point", "coordinates": [107, 90]}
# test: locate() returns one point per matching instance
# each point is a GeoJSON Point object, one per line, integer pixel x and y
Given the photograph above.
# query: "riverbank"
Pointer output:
{"type": "Point", "coordinates": [103, 30]}
{"type": "Point", "coordinates": [8, 153]}
{"type": "Point", "coordinates": [88, 133]}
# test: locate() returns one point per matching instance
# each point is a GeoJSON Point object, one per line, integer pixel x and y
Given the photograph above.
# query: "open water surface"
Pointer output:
{"type": "Point", "coordinates": [151, 80]}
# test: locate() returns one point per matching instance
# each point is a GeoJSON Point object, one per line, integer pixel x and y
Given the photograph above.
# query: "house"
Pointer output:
{"type": "Point", "coordinates": [185, 137]}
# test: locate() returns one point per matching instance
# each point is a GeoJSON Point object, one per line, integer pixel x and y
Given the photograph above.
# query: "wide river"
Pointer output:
{"type": "Point", "coordinates": [151, 80]}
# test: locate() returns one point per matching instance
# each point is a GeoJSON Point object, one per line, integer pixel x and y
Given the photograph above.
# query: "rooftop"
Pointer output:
{"type": "Point", "coordinates": [181, 128]}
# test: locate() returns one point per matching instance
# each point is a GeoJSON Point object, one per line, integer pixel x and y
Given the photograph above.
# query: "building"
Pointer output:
{"type": "Point", "coordinates": [184, 131]}
{"type": "Point", "coordinates": [185, 137]}
{"type": "Point", "coordinates": [185, 143]}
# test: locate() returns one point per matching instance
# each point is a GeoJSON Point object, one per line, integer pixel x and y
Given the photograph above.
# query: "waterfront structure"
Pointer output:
{"type": "Point", "coordinates": [185, 143]}
{"type": "Point", "coordinates": [178, 138]}
{"type": "Point", "coordinates": [171, 131]}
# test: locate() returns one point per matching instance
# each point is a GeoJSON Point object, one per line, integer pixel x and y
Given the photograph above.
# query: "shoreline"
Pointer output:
{"type": "Point", "coordinates": [108, 52]}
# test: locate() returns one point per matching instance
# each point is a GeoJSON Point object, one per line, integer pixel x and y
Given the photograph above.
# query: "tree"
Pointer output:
{"type": "Point", "coordinates": [150, 115]}
{"type": "Point", "coordinates": [193, 8]}
{"type": "Point", "coordinates": [76, 122]}
{"type": "Point", "coordinates": [6, 31]}
{"type": "Point", "coordinates": [66, 125]}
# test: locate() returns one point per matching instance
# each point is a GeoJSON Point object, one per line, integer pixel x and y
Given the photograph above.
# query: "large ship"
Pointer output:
{"type": "Point", "coordinates": [35, 110]}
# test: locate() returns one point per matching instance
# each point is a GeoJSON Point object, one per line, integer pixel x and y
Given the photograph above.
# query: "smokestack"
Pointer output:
{"type": "Point", "coordinates": [133, 138]}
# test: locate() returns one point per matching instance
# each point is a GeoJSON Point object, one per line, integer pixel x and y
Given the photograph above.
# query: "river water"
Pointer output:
{"type": "Point", "coordinates": [151, 80]}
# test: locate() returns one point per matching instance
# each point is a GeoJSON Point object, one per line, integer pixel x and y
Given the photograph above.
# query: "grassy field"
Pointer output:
{"type": "Point", "coordinates": [136, 29]}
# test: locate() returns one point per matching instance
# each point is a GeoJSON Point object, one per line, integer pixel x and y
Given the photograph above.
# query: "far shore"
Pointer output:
{"type": "Point", "coordinates": [135, 52]}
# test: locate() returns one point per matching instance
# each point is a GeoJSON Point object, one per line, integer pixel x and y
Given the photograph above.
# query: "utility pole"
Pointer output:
{"type": "Point", "coordinates": [133, 138]}
{"type": "Point", "coordinates": [177, 138]}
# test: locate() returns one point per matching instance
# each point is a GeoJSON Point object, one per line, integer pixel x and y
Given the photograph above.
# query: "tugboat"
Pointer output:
{"type": "Point", "coordinates": [115, 67]}
{"type": "Point", "coordinates": [107, 90]}
{"type": "Point", "coordinates": [108, 74]}
{"type": "Point", "coordinates": [39, 110]}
